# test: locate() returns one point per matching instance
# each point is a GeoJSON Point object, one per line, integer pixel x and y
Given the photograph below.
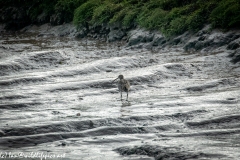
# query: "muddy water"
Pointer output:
{"type": "Point", "coordinates": [57, 99]}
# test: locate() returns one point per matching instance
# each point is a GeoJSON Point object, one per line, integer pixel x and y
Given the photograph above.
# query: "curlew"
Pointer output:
{"type": "Point", "coordinates": [123, 85]}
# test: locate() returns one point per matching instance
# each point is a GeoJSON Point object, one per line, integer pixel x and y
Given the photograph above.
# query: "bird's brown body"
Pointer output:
{"type": "Point", "coordinates": [123, 85]}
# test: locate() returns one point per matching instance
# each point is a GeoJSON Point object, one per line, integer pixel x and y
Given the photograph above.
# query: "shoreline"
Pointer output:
{"type": "Point", "coordinates": [204, 41]}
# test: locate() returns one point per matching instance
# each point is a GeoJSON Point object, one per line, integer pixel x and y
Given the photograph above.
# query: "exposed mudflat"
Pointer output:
{"type": "Point", "coordinates": [57, 98]}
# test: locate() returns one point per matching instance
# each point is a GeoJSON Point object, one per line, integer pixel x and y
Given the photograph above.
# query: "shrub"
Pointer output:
{"type": "Point", "coordinates": [169, 16]}
{"type": "Point", "coordinates": [176, 26]}
{"type": "Point", "coordinates": [195, 21]}
{"type": "Point", "coordinates": [83, 14]}
{"type": "Point", "coordinates": [226, 14]}
{"type": "Point", "coordinates": [41, 6]}
{"type": "Point", "coordinates": [153, 19]}
{"type": "Point", "coordinates": [118, 16]}
{"type": "Point", "coordinates": [170, 4]}
{"type": "Point", "coordinates": [106, 11]}
{"type": "Point", "coordinates": [67, 7]}
{"type": "Point", "coordinates": [130, 17]}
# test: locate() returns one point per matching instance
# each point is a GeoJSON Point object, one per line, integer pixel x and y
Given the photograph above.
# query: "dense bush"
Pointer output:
{"type": "Point", "coordinates": [67, 7]}
{"type": "Point", "coordinates": [171, 17]}
{"type": "Point", "coordinates": [168, 16]}
{"type": "Point", "coordinates": [84, 13]}
{"type": "Point", "coordinates": [226, 14]}
{"type": "Point", "coordinates": [41, 6]}
{"type": "Point", "coordinates": [105, 12]}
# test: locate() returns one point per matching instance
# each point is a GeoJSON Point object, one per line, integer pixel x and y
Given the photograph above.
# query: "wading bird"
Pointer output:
{"type": "Point", "coordinates": [123, 85]}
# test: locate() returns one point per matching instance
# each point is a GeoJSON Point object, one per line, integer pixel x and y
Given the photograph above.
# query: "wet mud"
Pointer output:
{"type": "Point", "coordinates": [57, 96]}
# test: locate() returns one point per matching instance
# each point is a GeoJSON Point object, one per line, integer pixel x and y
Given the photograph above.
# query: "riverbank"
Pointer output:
{"type": "Point", "coordinates": [206, 40]}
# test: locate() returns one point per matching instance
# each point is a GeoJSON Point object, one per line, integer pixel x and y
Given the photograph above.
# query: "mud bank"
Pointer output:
{"type": "Point", "coordinates": [57, 96]}
{"type": "Point", "coordinates": [206, 40]}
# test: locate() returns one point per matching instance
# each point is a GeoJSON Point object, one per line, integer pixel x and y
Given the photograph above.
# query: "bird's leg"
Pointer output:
{"type": "Point", "coordinates": [121, 94]}
{"type": "Point", "coordinates": [127, 95]}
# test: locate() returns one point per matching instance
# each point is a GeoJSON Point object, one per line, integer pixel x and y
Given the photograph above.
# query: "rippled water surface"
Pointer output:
{"type": "Point", "coordinates": [57, 97]}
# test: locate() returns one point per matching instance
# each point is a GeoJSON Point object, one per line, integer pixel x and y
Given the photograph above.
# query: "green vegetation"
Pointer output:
{"type": "Point", "coordinates": [40, 6]}
{"type": "Point", "coordinates": [226, 14]}
{"type": "Point", "coordinates": [84, 13]}
{"type": "Point", "coordinates": [171, 17]}
{"type": "Point", "coordinates": [67, 7]}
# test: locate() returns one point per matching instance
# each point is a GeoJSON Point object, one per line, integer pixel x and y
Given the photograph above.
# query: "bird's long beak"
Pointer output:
{"type": "Point", "coordinates": [114, 80]}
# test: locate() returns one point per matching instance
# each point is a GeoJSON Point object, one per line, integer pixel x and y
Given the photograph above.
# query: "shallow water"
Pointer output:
{"type": "Point", "coordinates": [57, 99]}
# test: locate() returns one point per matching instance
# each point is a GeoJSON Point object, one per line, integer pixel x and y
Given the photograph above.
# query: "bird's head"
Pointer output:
{"type": "Point", "coordinates": [120, 77]}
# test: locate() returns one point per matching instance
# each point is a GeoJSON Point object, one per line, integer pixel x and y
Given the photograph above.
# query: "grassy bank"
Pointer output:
{"type": "Point", "coordinates": [171, 17]}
